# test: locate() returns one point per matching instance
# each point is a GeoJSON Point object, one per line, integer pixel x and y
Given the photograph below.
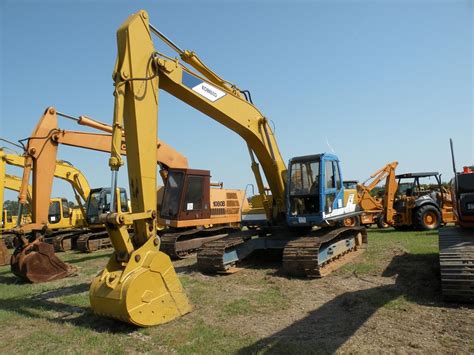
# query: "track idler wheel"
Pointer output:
{"type": "Point", "coordinates": [4, 254]}
{"type": "Point", "coordinates": [37, 263]}
{"type": "Point", "coordinates": [146, 292]}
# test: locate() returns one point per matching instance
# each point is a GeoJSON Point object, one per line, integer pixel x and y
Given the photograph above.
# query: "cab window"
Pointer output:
{"type": "Point", "coordinates": [329, 181]}
{"type": "Point", "coordinates": [54, 212]}
{"type": "Point", "coordinates": [65, 208]}
{"type": "Point", "coordinates": [194, 194]}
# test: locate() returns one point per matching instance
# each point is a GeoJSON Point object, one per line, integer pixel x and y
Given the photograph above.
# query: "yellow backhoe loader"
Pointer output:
{"type": "Point", "coordinates": [139, 284]}
{"type": "Point", "coordinates": [407, 203]}
{"type": "Point", "coordinates": [373, 207]}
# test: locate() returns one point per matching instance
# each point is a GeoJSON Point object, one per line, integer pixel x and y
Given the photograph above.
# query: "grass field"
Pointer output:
{"type": "Point", "coordinates": [386, 300]}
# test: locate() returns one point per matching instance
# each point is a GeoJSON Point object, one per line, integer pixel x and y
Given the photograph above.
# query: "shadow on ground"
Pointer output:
{"type": "Point", "coordinates": [331, 325]}
{"type": "Point", "coordinates": [35, 306]}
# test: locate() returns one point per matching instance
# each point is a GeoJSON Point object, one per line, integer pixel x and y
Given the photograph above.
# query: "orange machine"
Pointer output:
{"type": "Point", "coordinates": [407, 202]}
{"type": "Point", "coordinates": [373, 207]}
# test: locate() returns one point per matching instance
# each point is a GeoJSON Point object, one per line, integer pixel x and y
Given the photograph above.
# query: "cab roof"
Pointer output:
{"type": "Point", "coordinates": [414, 175]}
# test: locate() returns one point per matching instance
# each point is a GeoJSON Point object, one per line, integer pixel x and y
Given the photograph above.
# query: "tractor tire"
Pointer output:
{"type": "Point", "coordinates": [380, 222]}
{"type": "Point", "coordinates": [427, 218]}
{"type": "Point", "coordinates": [350, 222]}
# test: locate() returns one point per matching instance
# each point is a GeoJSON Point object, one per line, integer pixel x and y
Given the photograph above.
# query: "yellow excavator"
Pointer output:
{"type": "Point", "coordinates": [183, 236]}
{"type": "Point", "coordinates": [181, 233]}
{"type": "Point", "coordinates": [139, 284]}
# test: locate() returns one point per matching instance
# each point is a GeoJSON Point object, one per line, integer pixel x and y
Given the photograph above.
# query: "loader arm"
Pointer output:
{"type": "Point", "coordinates": [366, 201]}
{"type": "Point", "coordinates": [391, 187]}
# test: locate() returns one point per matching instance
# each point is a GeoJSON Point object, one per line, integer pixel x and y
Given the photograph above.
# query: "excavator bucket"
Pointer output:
{"type": "Point", "coordinates": [37, 263]}
{"type": "Point", "coordinates": [147, 292]}
{"type": "Point", "coordinates": [4, 254]}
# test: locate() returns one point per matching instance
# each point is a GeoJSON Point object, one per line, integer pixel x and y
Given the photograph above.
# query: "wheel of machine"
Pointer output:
{"type": "Point", "coordinates": [350, 221]}
{"type": "Point", "coordinates": [427, 218]}
{"type": "Point", "coordinates": [381, 224]}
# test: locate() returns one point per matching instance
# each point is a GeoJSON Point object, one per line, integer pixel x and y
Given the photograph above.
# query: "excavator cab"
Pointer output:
{"type": "Point", "coordinates": [58, 212]}
{"type": "Point", "coordinates": [98, 203]}
{"type": "Point", "coordinates": [315, 191]}
{"type": "Point", "coordinates": [186, 195]}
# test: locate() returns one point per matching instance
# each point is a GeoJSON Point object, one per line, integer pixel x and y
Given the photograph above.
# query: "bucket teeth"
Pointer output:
{"type": "Point", "coordinates": [37, 263]}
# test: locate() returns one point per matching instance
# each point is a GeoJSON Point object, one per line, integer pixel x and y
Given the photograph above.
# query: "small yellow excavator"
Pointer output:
{"type": "Point", "coordinates": [139, 284]}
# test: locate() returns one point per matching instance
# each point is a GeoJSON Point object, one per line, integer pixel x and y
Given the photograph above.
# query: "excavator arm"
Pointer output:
{"type": "Point", "coordinates": [41, 152]}
{"type": "Point", "coordinates": [40, 161]}
{"type": "Point", "coordinates": [63, 170]}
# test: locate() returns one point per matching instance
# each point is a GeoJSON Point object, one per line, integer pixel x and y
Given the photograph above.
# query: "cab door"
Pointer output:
{"type": "Point", "coordinates": [332, 194]}
{"type": "Point", "coordinates": [195, 201]}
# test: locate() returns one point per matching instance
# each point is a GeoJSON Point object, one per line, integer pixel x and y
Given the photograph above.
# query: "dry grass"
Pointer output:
{"type": "Point", "coordinates": [386, 300]}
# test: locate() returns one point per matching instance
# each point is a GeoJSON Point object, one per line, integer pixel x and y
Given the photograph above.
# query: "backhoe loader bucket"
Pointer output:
{"type": "Point", "coordinates": [37, 263]}
{"type": "Point", "coordinates": [4, 254]}
{"type": "Point", "coordinates": [146, 292]}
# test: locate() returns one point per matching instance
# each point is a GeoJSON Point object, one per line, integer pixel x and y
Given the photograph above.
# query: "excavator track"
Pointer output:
{"type": "Point", "coordinates": [64, 241]}
{"type": "Point", "coordinates": [93, 241]}
{"type": "Point", "coordinates": [314, 255]}
{"type": "Point", "coordinates": [210, 258]}
{"type": "Point", "coordinates": [180, 245]}
{"type": "Point", "coordinates": [322, 252]}
{"type": "Point", "coordinates": [84, 240]}
{"type": "Point", "coordinates": [456, 260]}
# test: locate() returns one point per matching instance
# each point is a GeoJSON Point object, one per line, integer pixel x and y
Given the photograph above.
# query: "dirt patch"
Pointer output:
{"type": "Point", "coordinates": [395, 307]}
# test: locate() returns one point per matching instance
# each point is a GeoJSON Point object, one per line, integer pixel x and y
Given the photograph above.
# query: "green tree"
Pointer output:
{"type": "Point", "coordinates": [11, 206]}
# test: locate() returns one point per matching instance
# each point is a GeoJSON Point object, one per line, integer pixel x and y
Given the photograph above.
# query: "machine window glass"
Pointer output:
{"type": "Point", "coordinates": [304, 188]}
{"type": "Point", "coordinates": [329, 177]}
{"type": "Point", "coordinates": [93, 205]}
{"type": "Point", "coordinates": [123, 201]}
{"type": "Point", "coordinates": [194, 194]}
{"type": "Point", "coordinates": [172, 195]}
{"type": "Point", "coordinates": [350, 184]}
{"type": "Point", "coordinates": [304, 178]}
{"type": "Point", "coordinates": [337, 175]}
{"type": "Point", "coordinates": [54, 212]}
{"type": "Point", "coordinates": [65, 209]}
